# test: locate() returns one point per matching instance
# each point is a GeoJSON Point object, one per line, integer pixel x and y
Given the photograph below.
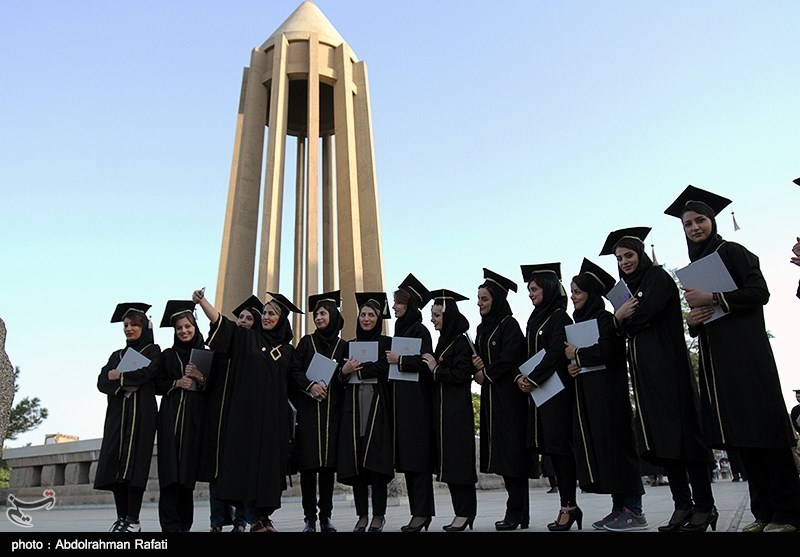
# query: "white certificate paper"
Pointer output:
{"type": "Point", "coordinates": [404, 346]}
{"type": "Point", "coordinates": [131, 360]}
{"type": "Point", "coordinates": [364, 352]}
{"type": "Point", "coordinates": [582, 335]}
{"type": "Point", "coordinates": [546, 390]}
{"type": "Point", "coordinates": [321, 369]}
{"type": "Point", "coordinates": [710, 274]}
{"type": "Point", "coordinates": [619, 294]}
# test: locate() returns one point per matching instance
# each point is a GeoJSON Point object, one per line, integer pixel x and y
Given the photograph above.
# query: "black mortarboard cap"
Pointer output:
{"type": "Point", "coordinates": [797, 390]}
{"type": "Point", "coordinates": [692, 194]}
{"type": "Point", "coordinates": [334, 297]}
{"type": "Point", "coordinates": [499, 280]}
{"type": "Point", "coordinates": [599, 274]}
{"type": "Point", "coordinates": [796, 181]}
{"type": "Point", "coordinates": [284, 302]}
{"type": "Point", "coordinates": [530, 271]}
{"type": "Point", "coordinates": [444, 294]}
{"type": "Point", "coordinates": [416, 289]}
{"type": "Point", "coordinates": [126, 307]}
{"type": "Point", "coordinates": [378, 298]}
{"type": "Point", "coordinates": [174, 309]}
{"type": "Point", "coordinates": [251, 302]}
{"type": "Point", "coordinates": [637, 233]}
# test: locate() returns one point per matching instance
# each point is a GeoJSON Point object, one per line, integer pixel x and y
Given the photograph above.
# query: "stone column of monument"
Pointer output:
{"type": "Point", "coordinates": [6, 386]}
{"type": "Point", "coordinates": [303, 81]}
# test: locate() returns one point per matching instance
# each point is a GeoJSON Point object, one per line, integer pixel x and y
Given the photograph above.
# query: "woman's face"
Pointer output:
{"type": "Point", "coordinates": [437, 317]}
{"type": "Point", "coordinates": [322, 317]}
{"type": "Point", "coordinates": [399, 308]}
{"type": "Point", "coordinates": [270, 317]}
{"type": "Point", "coordinates": [697, 226]}
{"type": "Point", "coordinates": [579, 297]}
{"type": "Point", "coordinates": [245, 319]}
{"type": "Point", "coordinates": [535, 293]}
{"type": "Point", "coordinates": [627, 259]}
{"type": "Point", "coordinates": [132, 329]}
{"type": "Point", "coordinates": [367, 318]}
{"type": "Point", "coordinates": [484, 301]}
{"type": "Point", "coordinates": [184, 329]}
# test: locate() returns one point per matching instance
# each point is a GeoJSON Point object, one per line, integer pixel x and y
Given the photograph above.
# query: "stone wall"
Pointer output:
{"type": "Point", "coordinates": [69, 469]}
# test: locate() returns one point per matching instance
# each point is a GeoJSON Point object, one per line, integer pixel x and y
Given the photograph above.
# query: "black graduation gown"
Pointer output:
{"type": "Point", "coordinates": [181, 424]}
{"type": "Point", "coordinates": [130, 425]}
{"type": "Point", "coordinates": [454, 418]}
{"type": "Point", "coordinates": [255, 460]}
{"type": "Point", "coordinates": [740, 391]}
{"type": "Point", "coordinates": [665, 392]}
{"type": "Point", "coordinates": [604, 438]}
{"type": "Point", "coordinates": [412, 403]}
{"type": "Point", "coordinates": [317, 420]}
{"type": "Point", "coordinates": [796, 418]}
{"type": "Point", "coordinates": [504, 408]}
{"type": "Point", "coordinates": [550, 427]}
{"type": "Point", "coordinates": [218, 397]}
{"type": "Point", "coordinates": [372, 452]}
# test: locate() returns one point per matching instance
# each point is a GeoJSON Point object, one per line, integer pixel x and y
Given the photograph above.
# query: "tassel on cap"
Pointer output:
{"type": "Point", "coordinates": [735, 224]}
{"type": "Point", "coordinates": [653, 251]}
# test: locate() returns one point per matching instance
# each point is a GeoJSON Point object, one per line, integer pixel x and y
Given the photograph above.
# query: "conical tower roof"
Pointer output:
{"type": "Point", "coordinates": [307, 18]}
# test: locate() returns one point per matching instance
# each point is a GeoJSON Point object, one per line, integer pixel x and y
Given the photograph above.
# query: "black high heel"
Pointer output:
{"type": "Point", "coordinates": [574, 515]}
{"type": "Point", "coordinates": [506, 524]}
{"type": "Point", "coordinates": [379, 527]}
{"type": "Point", "coordinates": [359, 526]}
{"type": "Point", "coordinates": [679, 519]}
{"type": "Point", "coordinates": [424, 524]}
{"type": "Point", "coordinates": [451, 528]}
{"type": "Point", "coordinates": [701, 521]}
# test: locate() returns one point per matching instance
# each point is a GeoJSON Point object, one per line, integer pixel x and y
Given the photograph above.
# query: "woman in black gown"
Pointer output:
{"type": "Point", "coordinates": [605, 442]}
{"type": "Point", "coordinates": [255, 461]}
{"type": "Point", "coordinates": [741, 397]}
{"type": "Point", "coordinates": [318, 407]}
{"type": "Point", "coordinates": [550, 426]}
{"type": "Point", "coordinates": [130, 425]}
{"type": "Point", "coordinates": [412, 404]}
{"type": "Point", "coordinates": [500, 347]}
{"type": "Point", "coordinates": [365, 434]}
{"type": "Point", "coordinates": [181, 418]}
{"type": "Point", "coordinates": [218, 390]}
{"type": "Point", "coordinates": [454, 418]}
{"type": "Point", "coordinates": [664, 388]}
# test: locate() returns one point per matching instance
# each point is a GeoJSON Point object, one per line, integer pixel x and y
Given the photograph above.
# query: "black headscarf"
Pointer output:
{"type": "Point", "coordinates": [146, 338]}
{"type": "Point", "coordinates": [594, 302]}
{"type": "Point", "coordinates": [375, 333]}
{"type": "Point", "coordinates": [645, 263]}
{"type": "Point", "coordinates": [410, 317]}
{"type": "Point", "coordinates": [710, 244]}
{"type": "Point", "coordinates": [327, 336]}
{"type": "Point", "coordinates": [499, 309]}
{"type": "Point", "coordinates": [184, 349]}
{"type": "Point", "coordinates": [553, 297]}
{"type": "Point", "coordinates": [282, 332]}
{"type": "Point", "coordinates": [453, 324]}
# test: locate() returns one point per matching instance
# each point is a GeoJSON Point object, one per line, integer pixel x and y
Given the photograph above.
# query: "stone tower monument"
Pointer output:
{"type": "Point", "coordinates": [304, 82]}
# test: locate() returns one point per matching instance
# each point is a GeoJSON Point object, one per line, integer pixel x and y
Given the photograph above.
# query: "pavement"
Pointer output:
{"type": "Point", "coordinates": [732, 501]}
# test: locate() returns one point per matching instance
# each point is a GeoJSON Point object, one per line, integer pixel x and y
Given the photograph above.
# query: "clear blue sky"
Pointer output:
{"type": "Point", "coordinates": [505, 133]}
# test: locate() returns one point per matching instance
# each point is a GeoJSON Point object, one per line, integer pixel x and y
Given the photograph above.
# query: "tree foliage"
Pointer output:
{"type": "Point", "coordinates": [27, 414]}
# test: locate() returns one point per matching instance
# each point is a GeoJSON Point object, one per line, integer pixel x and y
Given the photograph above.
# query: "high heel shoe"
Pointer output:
{"type": "Point", "coordinates": [418, 528]}
{"type": "Point", "coordinates": [507, 524]}
{"type": "Point", "coordinates": [361, 525]}
{"type": "Point", "coordinates": [679, 519]}
{"type": "Point", "coordinates": [467, 522]}
{"type": "Point", "coordinates": [573, 515]}
{"type": "Point", "coordinates": [701, 521]}
{"type": "Point", "coordinates": [379, 527]}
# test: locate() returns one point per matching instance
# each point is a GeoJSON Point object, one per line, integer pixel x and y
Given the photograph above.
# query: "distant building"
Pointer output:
{"type": "Point", "coordinates": [53, 438]}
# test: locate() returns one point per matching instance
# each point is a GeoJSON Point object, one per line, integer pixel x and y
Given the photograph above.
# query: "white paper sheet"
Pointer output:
{"type": "Point", "coordinates": [363, 352]}
{"type": "Point", "coordinates": [710, 274]}
{"type": "Point", "coordinates": [321, 369]}
{"type": "Point", "coordinates": [619, 294]}
{"type": "Point", "coordinates": [404, 346]}
{"type": "Point", "coordinates": [582, 335]}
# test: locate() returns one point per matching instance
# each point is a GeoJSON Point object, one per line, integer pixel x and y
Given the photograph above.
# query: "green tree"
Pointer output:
{"type": "Point", "coordinates": [26, 415]}
{"type": "Point", "coordinates": [476, 409]}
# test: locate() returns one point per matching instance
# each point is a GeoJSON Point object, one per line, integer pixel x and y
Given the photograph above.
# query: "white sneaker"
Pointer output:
{"type": "Point", "coordinates": [117, 526]}
{"type": "Point", "coordinates": [130, 527]}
